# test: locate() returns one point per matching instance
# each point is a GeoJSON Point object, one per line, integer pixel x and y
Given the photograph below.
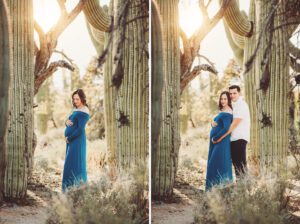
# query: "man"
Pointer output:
{"type": "Point", "coordinates": [240, 131]}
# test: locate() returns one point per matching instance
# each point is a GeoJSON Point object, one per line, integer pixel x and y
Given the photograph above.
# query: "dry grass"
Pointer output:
{"type": "Point", "coordinates": [255, 199]}
{"type": "Point", "coordinates": [51, 149]}
{"type": "Point", "coordinates": [251, 200]}
{"type": "Point", "coordinates": [110, 196]}
{"type": "Point", "coordinates": [119, 199]}
{"type": "Point", "coordinates": [194, 148]}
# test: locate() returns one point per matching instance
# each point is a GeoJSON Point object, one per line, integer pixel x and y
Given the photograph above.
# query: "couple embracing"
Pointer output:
{"type": "Point", "coordinates": [229, 136]}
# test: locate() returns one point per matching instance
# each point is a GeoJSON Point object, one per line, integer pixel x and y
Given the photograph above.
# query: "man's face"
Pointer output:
{"type": "Point", "coordinates": [234, 94]}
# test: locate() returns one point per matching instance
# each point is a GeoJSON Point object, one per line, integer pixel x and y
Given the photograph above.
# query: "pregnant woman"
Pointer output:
{"type": "Point", "coordinates": [219, 168]}
{"type": "Point", "coordinates": [75, 162]}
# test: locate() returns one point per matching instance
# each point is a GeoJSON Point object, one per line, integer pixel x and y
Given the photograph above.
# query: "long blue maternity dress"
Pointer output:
{"type": "Point", "coordinates": [75, 162]}
{"type": "Point", "coordinates": [219, 165]}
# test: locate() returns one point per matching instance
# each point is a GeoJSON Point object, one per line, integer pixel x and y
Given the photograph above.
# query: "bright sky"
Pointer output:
{"type": "Point", "coordinates": [76, 43]}
{"type": "Point", "coordinates": [215, 46]}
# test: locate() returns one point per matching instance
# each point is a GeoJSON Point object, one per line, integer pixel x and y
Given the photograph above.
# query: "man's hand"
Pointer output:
{"type": "Point", "coordinates": [216, 142]}
{"type": "Point", "coordinates": [67, 140]}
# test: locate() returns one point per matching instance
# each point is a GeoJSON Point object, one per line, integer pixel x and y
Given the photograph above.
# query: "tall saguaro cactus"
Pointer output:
{"type": "Point", "coordinates": [5, 74]}
{"type": "Point", "coordinates": [157, 81]}
{"type": "Point", "coordinates": [131, 79]}
{"type": "Point", "coordinates": [98, 20]}
{"type": "Point", "coordinates": [273, 87]}
{"type": "Point", "coordinates": [20, 127]}
{"type": "Point", "coordinates": [125, 77]}
{"type": "Point", "coordinates": [169, 140]}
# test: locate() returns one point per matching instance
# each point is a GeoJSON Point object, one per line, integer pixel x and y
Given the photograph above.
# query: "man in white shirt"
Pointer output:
{"type": "Point", "coordinates": [239, 129]}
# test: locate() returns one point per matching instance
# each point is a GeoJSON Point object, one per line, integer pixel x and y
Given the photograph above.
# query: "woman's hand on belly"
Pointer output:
{"type": "Point", "coordinates": [69, 123]}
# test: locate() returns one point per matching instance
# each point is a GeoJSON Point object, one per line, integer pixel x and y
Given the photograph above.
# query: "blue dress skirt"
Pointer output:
{"type": "Point", "coordinates": [219, 165]}
{"type": "Point", "coordinates": [75, 162]}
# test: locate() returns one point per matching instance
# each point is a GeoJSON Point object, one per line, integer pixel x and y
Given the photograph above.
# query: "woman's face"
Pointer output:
{"type": "Point", "coordinates": [76, 100]}
{"type": "Point", "coordinates": [224, 100]}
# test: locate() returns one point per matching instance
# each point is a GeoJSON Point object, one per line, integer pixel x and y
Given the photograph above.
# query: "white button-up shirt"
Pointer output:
{"type": "Point", "coordinates": [241, 110]}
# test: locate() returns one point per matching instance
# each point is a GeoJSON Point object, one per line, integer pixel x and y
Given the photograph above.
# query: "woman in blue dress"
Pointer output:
{"type": "Point", "coordinates": [75, 162]}
{"type": "Point", "coordinates": [219, 168]}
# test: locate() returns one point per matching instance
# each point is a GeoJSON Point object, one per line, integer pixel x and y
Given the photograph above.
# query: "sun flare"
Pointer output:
{"type": "Point", "coordinates": [190, 18]}
{"type": "Point", "coordinates": [46, 13]}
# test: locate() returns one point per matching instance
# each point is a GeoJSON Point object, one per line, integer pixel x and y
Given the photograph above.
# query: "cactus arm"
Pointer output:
{"type": "Point", "coordinates": [237, 51]}
{"type": "Point", "coordinates": [238, 39]}
{"type": "Point", "coordinates": [96, 16]}
{"type": "Point", "coordinates": [97, 38]}
{"type": "Point", "coordinates": [236, 20]}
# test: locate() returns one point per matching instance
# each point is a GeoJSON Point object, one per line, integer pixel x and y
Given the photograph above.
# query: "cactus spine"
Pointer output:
{"type": "Point", "coordinates": [20, 127]}
{"type": "Point", "coordinates": [5, 76]}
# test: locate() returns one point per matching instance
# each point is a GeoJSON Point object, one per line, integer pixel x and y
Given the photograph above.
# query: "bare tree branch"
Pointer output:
{"type": "Point", "coordinates": [65, 20]}
{"type": "Point", "coordinates": [191, 46]}
{"type": "Point", "coordinates": [49, 71]}
{"type": "Point", "coordinates": [64, 55]}
{"type": "Point", "coordinates": [48, 42]}
{"type": "Point", "coordinates": [295, 64]}
{"type": "Point", "coordinates": [39, 31]}
{"type": "Point", "coordinates": [294, 50]}
{"type": "Point", "coordinates": [209, 61]}
{"type": "Point", "coordinates": [62, 7]}
{"type": "Point", "coordinates": [203, 9]}
{"type": "Point", "coordinates": [194, 73]}
{"type": "Point", "coordinates": [208, 3]}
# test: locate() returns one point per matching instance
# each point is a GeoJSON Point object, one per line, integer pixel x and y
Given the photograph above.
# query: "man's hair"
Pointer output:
{"type": "Point", "coordinates": [235, 87]}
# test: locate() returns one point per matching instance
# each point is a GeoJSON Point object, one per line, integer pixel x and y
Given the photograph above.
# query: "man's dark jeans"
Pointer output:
{"type": "Point", "coordinates": [238, 155]}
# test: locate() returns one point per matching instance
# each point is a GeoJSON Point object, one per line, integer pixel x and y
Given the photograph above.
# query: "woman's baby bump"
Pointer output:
{"type": "Point", "coordinates": [70, 129]}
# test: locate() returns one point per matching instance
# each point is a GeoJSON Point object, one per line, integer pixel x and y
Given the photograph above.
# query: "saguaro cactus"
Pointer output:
{"type": "Point", "coordinates": [126, 78]}
{"type": "Point", "coordinates": [169, 140]}
{"type": "Point", "coordinates": [20, 127]}
{"type": "Point", "coordinates": [131, 69]}
{"type": "Point", "coordinates": [5, 74]}
{"type": "Point", "coordinates": [98, 20]}
{"type": "Point", "coordinates": [273, 87]}
{"type": "Point", "coordinates": [157, 81]}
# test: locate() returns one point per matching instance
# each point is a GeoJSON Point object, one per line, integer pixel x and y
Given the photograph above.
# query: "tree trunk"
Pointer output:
{"type": "Point", "coordinates": [5, 77]}
{"type": "Point", "coordinates": [20, 127]}
{"type": "Point", "coordinates": [169, 139]}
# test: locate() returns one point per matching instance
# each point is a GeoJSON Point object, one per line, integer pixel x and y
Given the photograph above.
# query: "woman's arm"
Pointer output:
{"type": "Point", "coordinates": [234, 124]}
{"type": "Point", "coordinates": [82, 120]}
{"type": "Point", "coordinates": [226, 126]}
